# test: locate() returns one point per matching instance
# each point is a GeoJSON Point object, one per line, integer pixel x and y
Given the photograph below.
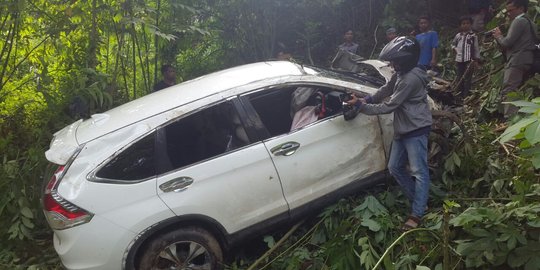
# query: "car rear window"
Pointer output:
{"type": "Point", "coordinates": [136, 162]}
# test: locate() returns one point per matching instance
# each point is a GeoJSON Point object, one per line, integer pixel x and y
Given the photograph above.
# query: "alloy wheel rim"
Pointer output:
{"type": "Point", "coordinates": [183, 255]}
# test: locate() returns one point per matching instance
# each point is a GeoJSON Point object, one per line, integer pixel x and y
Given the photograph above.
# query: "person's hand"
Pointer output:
{"type": "Point", "coordinates": [355, 100]}
{"type": "Point", "coordinates": [352, 101]}
{"type": "Point", "coordinates": [497, 32]}
{"type": "Point", "coordinates": [433, 63]}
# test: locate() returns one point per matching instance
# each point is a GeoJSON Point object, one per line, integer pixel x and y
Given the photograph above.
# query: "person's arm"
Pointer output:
{"type": "Point", "coordinates": [401, 93]}
{"type": "Point", "coordinates": [455, 43]}
{"type": "Point", "coordinates": [383, 92]}
{"type": "Point", "coordinates": [517, 28]}
{"type": "Point", "coordinates": [434, 45]}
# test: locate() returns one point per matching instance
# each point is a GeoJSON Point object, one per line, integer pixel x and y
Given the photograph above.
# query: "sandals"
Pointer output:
{"type": "Point", "coordinates": [411, 223]}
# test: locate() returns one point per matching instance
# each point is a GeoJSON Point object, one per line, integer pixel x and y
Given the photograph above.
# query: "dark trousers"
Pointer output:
{"type": "Point", "coordinates": [513, 79]}
{"type": "Point", "coordinates": [464, 77]}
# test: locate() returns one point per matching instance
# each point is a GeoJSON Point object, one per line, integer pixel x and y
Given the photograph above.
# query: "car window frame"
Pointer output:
{"type": "Point", "coordinates": [261, 130]}
{"type": "Point", "coordinates": [162, 144]}
{"type": "Point", "coordinates": [92, 176]}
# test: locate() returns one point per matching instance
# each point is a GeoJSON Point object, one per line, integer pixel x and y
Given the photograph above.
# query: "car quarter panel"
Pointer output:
{"type": "Point", "coordinates": [99, 244]}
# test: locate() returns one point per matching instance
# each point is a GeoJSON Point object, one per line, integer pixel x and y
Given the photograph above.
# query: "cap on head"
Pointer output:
{"type": "Point", "coordinates": [391, 30]}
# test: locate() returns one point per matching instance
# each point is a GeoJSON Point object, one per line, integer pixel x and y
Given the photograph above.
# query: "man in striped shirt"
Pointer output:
{"type": "Point", "coordinates": [465, 45]}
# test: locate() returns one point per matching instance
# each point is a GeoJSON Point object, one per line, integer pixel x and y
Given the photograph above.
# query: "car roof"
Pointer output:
{"type": "Point", "coordinates": [183, 93]}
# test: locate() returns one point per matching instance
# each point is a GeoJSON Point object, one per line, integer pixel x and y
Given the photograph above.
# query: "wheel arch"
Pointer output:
{"type": "Point", "coordinates": [171, 224]}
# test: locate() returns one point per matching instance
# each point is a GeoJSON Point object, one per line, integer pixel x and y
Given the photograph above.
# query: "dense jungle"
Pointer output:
{"type": "Point", "coordinates": [485, 197]}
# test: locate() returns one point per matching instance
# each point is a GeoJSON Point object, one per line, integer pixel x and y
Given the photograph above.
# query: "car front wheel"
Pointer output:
{"type": "Point", "coordinates": [189, 248]}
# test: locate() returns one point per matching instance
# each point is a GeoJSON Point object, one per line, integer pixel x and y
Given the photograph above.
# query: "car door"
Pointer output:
{"type": "Point", "coordinates": [322, 156]}
{"type": "Point", "coordinates": [209, 167]}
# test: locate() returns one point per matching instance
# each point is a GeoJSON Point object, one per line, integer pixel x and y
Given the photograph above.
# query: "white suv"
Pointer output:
{"type": "Point", "coordinates": [172, 180]}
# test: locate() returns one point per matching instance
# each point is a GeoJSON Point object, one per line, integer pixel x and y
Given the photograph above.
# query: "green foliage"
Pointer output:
{"type": "Point", "coordinates": [205, 57]}
{"type": "Point", "coordinates": [52, 53]}
{"type": "Point", "coordinates": [498, 234]}
{"type": "Point", "coordinates": [527, 130]}
{"type": "Point", "coordinates": [354, 233]}
{"type": "Point", "coordinates": [254, 30]}
{"type": "Point", "coordinates": [109, 52]}
{"type": "Point", "coordinates": [490, 217]}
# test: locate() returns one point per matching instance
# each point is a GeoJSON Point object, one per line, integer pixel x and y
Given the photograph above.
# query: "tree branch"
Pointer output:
{"type": "Point", "coordinates": [20, 62]}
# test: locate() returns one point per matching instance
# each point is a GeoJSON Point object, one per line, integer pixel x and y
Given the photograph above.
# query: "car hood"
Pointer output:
{"type": "Point", "coordinates": [383, 67]}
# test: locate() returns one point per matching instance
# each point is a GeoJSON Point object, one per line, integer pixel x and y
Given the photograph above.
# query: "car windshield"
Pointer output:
{"type": "Point", "coordinates": [368, 75]}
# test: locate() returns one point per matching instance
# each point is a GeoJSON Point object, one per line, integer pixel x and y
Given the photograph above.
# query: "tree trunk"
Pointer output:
{"type": "Point", "coordinates": [156, 41]}
{"type": "Point", "coordinates": [93, 38]}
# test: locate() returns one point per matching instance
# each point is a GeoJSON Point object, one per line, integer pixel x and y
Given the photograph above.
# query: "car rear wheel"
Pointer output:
{"type": "Point", "coordinates": [190, 248]}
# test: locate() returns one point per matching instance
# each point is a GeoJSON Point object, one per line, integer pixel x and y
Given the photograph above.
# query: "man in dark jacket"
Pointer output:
{"type": "Point", "coordinates": [412, 122]}
{"type": "Point", "coordinates": [519, 46]}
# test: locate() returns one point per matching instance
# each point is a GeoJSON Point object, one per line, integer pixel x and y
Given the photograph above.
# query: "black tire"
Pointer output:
{"type": "Point", "coordinates": [181, 249]}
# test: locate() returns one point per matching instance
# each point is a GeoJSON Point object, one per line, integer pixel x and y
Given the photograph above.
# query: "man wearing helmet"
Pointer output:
{"type": "Point", "coordinates": [407, 94]}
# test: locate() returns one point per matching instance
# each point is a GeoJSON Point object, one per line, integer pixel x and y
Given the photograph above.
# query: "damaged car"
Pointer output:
{"type": "Point", "coordinates": [174, 179]}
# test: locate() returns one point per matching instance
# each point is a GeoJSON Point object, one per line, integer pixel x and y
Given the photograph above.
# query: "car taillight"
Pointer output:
{"type": "Point", "coordinates": [60, 213]}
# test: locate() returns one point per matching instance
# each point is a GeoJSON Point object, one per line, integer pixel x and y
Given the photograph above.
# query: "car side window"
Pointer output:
{"type": "Point", "coordinates": [201, 135]}
{"type": "Point", "coordinates": [286, 109]}
{"type": "Point", "coordinates": [136, 162]}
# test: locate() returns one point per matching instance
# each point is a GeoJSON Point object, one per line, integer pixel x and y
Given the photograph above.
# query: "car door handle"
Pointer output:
{"type": "Point", "coordinates": [285, 149]}
{"type": "Point", "coordinates": [177, 184]}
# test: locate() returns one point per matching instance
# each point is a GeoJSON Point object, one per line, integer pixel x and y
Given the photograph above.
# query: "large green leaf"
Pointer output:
{"type": "Point", "coordinates": [532, 132]}
{"type": "Point", "coordinates": [371, 224]}
{"type": "Point", "coordinates": [523, 103]}
{"type": "Point", "coordinates": [25, 211]}
{"type": "Point", "coordinates": [536, 160]}
{"type": "Point", "coordinates": [515, 129]}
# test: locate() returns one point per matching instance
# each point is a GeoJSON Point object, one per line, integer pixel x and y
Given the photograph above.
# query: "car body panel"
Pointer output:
{"type": "Point", "coordinates": [383, 68]}
{"type": "Point", "coordinates": [121, 210]}
{"type": "Point", "coordinates": [332, 153]}
{"type": "Point", "coordinates": [91, 156]}
{"type": "Point", "coordinates": [237, 189]}
{"type": "Point", "coordinates": [83, 247]}
{"type": "Point", "coordinates": [63, 144]}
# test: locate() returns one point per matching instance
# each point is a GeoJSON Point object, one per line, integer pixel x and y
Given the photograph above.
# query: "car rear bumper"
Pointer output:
{"type": "Point", "coordinates": [89, 246]}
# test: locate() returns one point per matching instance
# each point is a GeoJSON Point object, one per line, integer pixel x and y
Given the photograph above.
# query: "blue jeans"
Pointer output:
{"type": "Point", "coordinates": [412, 151]}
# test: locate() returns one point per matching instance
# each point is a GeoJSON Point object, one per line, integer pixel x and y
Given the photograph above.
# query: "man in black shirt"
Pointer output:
{"type": "Point", "coordinates": [169, 78]}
